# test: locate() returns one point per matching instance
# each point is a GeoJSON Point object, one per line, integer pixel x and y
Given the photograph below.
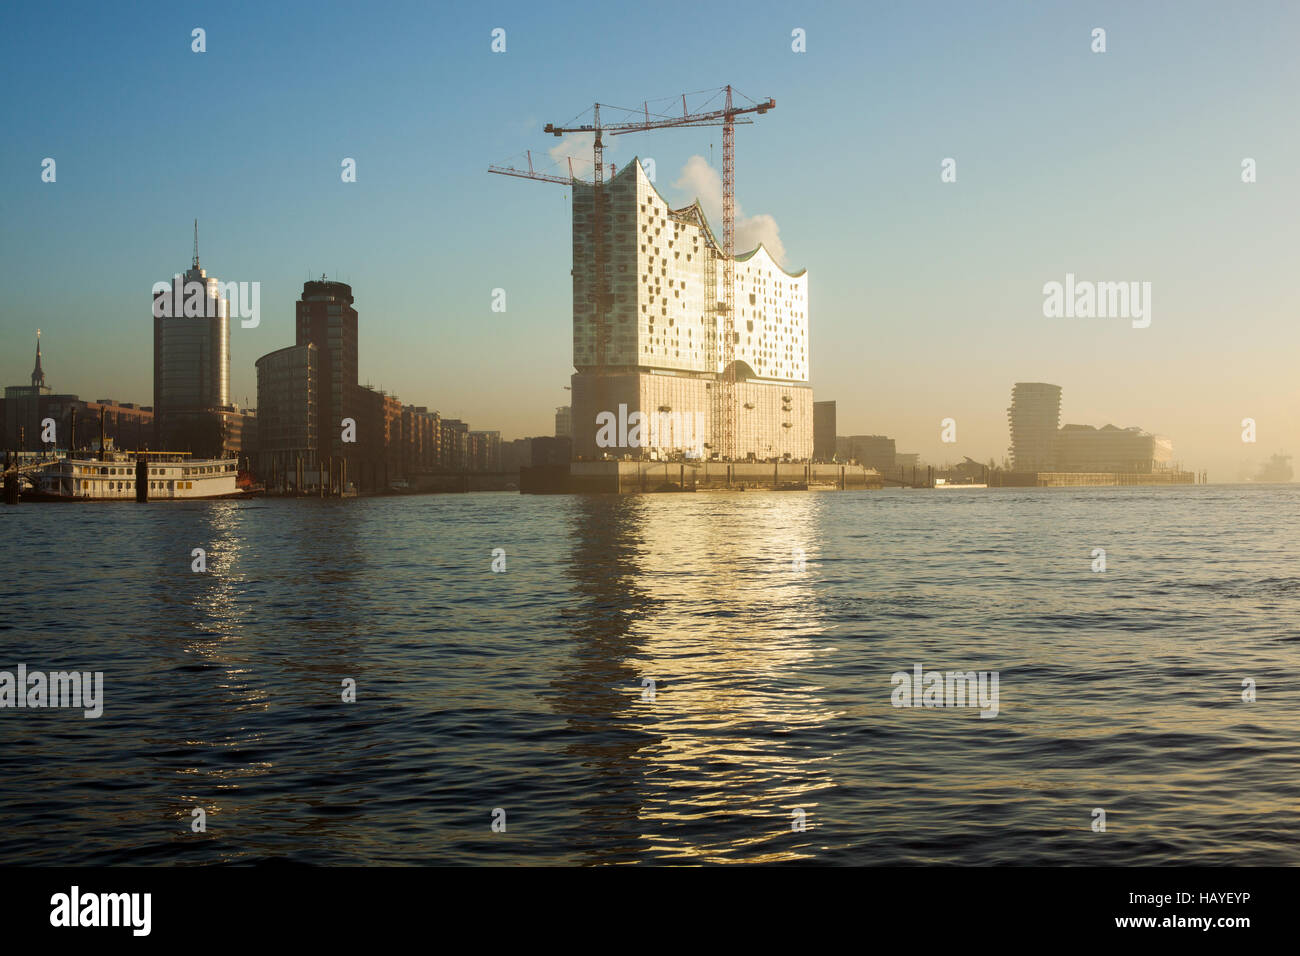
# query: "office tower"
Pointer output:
{"type": "Point", "coordinates": [191, 362]}
{"type": "Point", "coordinates": [873, 451]}
{"type": "Point", "coordinates": [1034, 417]}
{"type": "Point", "coordinates": [1131, 451]}
{"type": "Point", "coordinates": [287, 438]}
{"type": "Point", "coordinates": [325, 318]}
{"type": "Point", "coordinates": [823, 431]}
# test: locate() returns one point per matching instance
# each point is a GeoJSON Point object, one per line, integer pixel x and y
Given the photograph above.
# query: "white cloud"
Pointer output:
{"type": "Point", "coordinates": [578, 146]}
{"type": "Point", "coordinates": [751, 230]}
{"type": "Point", "coordinates": [699, 180]}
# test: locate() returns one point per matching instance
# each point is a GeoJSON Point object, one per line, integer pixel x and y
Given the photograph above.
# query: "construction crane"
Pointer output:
{"type": "Point", "coordinates": [724, 394]}
{"type": "Point", "coordinates": [724, 403]}
{"type": "Point", "coordinates": [601, 297]}
{"type": "Point", "coordinates": [533, 174]}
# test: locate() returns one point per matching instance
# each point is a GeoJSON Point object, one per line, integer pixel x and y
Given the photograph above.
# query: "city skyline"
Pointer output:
{"type": "Point", "coordinates": [438, 435]}
{"type": "Point", "coordinates": [1068, 173]}
{"type": "Point", "coordinates": [1005, 459]}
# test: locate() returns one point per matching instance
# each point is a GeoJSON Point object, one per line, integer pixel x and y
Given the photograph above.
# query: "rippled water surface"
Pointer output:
{"type": "Point", "coordinates": [527, 690]}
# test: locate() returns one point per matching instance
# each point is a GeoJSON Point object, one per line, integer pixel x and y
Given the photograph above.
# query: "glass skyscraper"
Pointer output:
{"type": "Point", "coordinates": [191, 365]}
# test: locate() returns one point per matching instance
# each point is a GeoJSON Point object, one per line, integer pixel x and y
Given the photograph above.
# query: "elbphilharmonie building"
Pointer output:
{"type": "Point", "coordinates": [662, 354]}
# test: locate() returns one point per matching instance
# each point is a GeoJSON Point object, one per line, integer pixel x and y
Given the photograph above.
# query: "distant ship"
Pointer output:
{"type": "Point", "coordinates": [1277, 469]}
{"type": "Point", "coordinates": [113, 478]}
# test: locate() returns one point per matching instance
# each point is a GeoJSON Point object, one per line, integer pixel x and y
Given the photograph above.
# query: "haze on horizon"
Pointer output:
{"type": "Point", "coordinates": [926, 297]}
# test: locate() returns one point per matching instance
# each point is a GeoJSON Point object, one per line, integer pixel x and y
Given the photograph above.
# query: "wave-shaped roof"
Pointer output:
{"type": "Point", "coordinates": [746, 256]}
{"type": "Point", "coordinates": [698, 210]}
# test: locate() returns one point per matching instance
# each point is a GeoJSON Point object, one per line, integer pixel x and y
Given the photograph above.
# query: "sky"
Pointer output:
{"type": "Point", "coordinates": [926, 297]}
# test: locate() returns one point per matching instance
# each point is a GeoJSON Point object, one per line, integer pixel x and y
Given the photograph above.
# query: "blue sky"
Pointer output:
{"type": "Point", "coordinates": [926, 297]}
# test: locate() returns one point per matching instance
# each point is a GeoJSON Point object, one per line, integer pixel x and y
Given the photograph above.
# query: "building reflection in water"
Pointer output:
{"type": "Point", "coordinates": [704, 598]}
{"type": "Point", "coordinates": [227, 669]}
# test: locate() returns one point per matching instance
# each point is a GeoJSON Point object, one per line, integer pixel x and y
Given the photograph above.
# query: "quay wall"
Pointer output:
{"type": "Point", "coordinates": [634, 477]}
{"type": "Point", "coordinates": [1062, 479]}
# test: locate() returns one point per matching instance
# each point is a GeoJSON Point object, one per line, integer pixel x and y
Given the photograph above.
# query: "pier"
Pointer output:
{"type": "Point", "coordinates": [19, 470]}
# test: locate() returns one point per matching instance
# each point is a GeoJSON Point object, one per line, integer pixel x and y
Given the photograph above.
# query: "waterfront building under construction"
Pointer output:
{"type": "Point", "coordinates": [664, 351]}
{"type": "Point", "coordinates": [682, 346]}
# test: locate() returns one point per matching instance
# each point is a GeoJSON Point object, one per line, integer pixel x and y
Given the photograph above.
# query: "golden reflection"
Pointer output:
{"type": "Point", "coordinates": [210, 627]}
{"type": "Point", "coordinates": [707, 597]}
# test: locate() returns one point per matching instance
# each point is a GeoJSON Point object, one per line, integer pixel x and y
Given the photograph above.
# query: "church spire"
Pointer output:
{"type": "Point", "coordinates": [38, 374]}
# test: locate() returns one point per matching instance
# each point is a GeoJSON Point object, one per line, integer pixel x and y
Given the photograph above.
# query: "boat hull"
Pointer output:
{"type": "Point", "coordinates": [40, 496]}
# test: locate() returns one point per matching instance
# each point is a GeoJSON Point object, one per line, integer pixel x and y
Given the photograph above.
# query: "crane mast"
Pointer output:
{"type": "Point", "coordinates": [726, 393]}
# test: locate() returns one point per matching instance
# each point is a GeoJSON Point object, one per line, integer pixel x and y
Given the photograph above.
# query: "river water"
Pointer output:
{"type": "Point", "coordinates": [681, 678]}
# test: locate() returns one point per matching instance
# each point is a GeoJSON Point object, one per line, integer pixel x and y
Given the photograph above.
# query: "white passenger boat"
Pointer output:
{"type": "Point", "coordinates": [83, 476]}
